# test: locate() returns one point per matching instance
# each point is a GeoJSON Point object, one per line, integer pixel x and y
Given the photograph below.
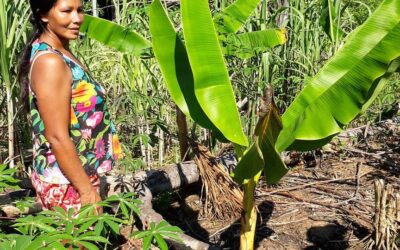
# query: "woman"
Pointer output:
{"type": "Point", "coordinates": [73, 136]}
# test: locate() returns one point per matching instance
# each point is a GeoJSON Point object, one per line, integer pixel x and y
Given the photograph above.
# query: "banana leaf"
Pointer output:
{"type": "Point", "coordinates": [251, 44]}
{"type": "Point", "coordinates": [348, 82]}
{"type": "Point", "coordinates": [212, 86]}
{"type": "Point", "coordinates": [172, 58]}
{"type": "Point", "coordinates": [262, 154]}
{"type": "Point", "coordinates": [232, 18]}
{"type": "Point", "coordinates": [114, 35]}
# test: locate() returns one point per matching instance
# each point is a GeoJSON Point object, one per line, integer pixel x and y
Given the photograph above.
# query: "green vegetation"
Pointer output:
{"type": "Point", "coordinates": [50, 229]}
{"type": "Point", "coordinates": [327, 62]}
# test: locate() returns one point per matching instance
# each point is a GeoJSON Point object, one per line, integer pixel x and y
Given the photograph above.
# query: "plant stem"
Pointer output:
{"type": "Point", "coordinates": [248, 220]}
{"type": "Point", "coordinates": [182, 133]}
{"type": "Point", "coordinates": [10, 112]}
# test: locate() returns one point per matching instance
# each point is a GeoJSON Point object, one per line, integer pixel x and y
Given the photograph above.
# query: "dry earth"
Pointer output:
{"type": "Point", "coordinates": [325, 202]}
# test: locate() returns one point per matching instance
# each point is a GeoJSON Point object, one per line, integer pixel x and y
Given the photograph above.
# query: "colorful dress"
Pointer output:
{"type": "Point", "coordinates": [91, 129]}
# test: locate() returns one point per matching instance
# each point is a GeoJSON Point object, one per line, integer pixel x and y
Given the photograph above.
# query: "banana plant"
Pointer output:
{"type": "Point", "coordinates": [197, 79]}
{"type": "Point", "coordinates": [347, 85]}
{"type": "Point", "coordinates": [196, 76]}
{"type": "Point", "coordinates": [195, 71]}
{"type": "Point", "coordinates": [336, 95]}
{"type": "Point", "coordinates": [343, 89]}
{"type": "Point", "coordinates": [181, 80]}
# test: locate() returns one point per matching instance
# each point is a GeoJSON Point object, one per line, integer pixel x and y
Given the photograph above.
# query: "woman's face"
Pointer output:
{"type": "Point", "coordinates": [65, 18]}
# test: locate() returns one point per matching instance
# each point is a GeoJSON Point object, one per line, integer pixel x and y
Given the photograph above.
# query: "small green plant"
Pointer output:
{"type": "Point", "coordinates": [58, 229]}
{"type": "Point", "coordinates": [50, 228]}
{"type": "Point", "coordinates": [25, 202]}
{"type": "Point", "coordinates": [127, 204]}
{"type": "Point", "coordinates": [6, 178]}
{"type": "Point", "coordinates": [157, 234]}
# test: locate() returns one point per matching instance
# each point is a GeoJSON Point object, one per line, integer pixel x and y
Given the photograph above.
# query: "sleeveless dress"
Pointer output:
{"type": "Point", "coordinates": [91, 130]}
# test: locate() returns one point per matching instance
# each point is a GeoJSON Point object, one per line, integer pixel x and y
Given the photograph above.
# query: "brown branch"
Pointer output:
{"type": "Point", "coordinates": [364, 222]}
{"type": "Point", "coordinates": [312, 184]}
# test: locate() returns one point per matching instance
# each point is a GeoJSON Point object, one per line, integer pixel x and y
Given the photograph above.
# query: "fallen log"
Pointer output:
{"type": "Point", "coordinates": [148, 184]}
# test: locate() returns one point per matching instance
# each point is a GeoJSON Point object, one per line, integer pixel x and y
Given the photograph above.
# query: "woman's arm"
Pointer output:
{"type": "Point", "coordinates": [51, 82]}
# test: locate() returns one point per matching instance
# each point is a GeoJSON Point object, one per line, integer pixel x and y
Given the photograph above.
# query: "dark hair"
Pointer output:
{"type": "Point", "coordinates": [38, 8]}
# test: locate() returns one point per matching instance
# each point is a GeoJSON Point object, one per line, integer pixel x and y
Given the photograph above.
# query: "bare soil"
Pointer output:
{"type": "Point", "coordinates": [325, 202]}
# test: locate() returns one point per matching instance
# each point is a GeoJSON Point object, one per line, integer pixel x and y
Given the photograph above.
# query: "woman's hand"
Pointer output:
{"type": "Point", "coordinates": [91, 196]}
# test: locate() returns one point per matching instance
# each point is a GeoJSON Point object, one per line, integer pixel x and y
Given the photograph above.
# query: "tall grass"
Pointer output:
{"type": "Point", "coordinates": [137, 97]}
{"type": "Point", "coordinates": [13, 28]}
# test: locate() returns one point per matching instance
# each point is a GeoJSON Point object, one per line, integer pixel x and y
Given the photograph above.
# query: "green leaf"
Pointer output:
{"type": "Point", "coordinates": [114, 35]}
{"type": "Point", "coordinates": [93, 238]}
{"type": "Point", "coordinates": [147, 242]}
{"type": "Point", "coordinates": [173, 236]}
{"type": "Point", "coordinates": [262, 154]}
{"type": "Point", "coordinates": [141, 234]}
{"type": "Point", "coordinates": [250, 44]}
{"type": "Point", "coordinates": [86, 225]}
{"type": "Point", "coordinates": [328, 19]}
{"type": "Point", "coordinates": [170, 228]}
{"type": "Point", "coordinates": [23, 241]}
{"type": "Point", "coordinates": [99, 227]}
{"type": "Point", "coordinates": [60, 212]}
{"type": "Point", "coordinates": [235, 15]}
{"type": "Point", "coordinates": [5, 245]}
{"type": "Point", "coordinates": [69, 228]}
{"type": "Point", "coordinates": [380, 83]}
{"type": "Point", "coordinates": [250, 164]}
{"type": "Point", "coordinates": [112, 198]}
{"type": "Point", "coordinates": [114, 226]}
{"type": "Point", "coordinates": [342, 88]}
{"type": "Point", "coordinates": [88, 245]}
{"type": "Point", "coordinates": [211, 80]}
{"type": "Point", "coordinates": [162, 224]}
{"type": "Point", "coordinates": [174, 63]}
{"type": "Point", "coordinates": [124, 210]}
{"type": "Point", "coordinates": [56, 246]}
{"type": "Point", "coordinates": [39, 242]}
{"type": "Point", "coordinates": [161, 242]}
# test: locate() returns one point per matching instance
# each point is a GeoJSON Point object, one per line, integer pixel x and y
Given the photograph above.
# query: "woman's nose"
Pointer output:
{"type": "Point", "coordinates": [77, 17]}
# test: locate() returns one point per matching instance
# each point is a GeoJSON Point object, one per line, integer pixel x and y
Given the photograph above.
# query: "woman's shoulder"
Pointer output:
{"type": "Point", "coordinates": [45, 58]}
{"type": "Point", "coordinates": [49, 61]}
{"type": "Point", "coordinates": [38, 47]}
{"type": "Point", "coordinates": [49, 68]}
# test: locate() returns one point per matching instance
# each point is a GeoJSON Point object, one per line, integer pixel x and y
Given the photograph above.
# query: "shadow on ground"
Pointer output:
{"type": "Point", "coordinates": [332, 237]}
{"type": "Point", "coordinates": [230, 238]}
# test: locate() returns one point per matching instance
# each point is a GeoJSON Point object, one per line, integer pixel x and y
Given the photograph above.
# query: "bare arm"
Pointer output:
{"type": "Point", "coordinates": [51, 82]}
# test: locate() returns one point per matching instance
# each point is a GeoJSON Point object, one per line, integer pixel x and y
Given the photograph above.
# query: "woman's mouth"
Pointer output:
{"type": "Point", "coordinates": [75, 30]}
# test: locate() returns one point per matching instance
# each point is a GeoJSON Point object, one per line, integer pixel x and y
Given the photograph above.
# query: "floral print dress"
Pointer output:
{"type": "Point", "coordinates": [91, 128]}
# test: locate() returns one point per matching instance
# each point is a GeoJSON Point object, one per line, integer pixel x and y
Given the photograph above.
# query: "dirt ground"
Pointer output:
{"type": "Point", "coordinates": [325, 202]}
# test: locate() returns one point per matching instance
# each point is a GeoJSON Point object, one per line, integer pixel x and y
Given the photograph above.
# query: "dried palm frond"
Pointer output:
{"type": "Point", "coordinates": [221, 195]}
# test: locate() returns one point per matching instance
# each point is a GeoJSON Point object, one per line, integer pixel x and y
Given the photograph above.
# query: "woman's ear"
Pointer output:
{"type": "Point", "coordinates": [44, 18]}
